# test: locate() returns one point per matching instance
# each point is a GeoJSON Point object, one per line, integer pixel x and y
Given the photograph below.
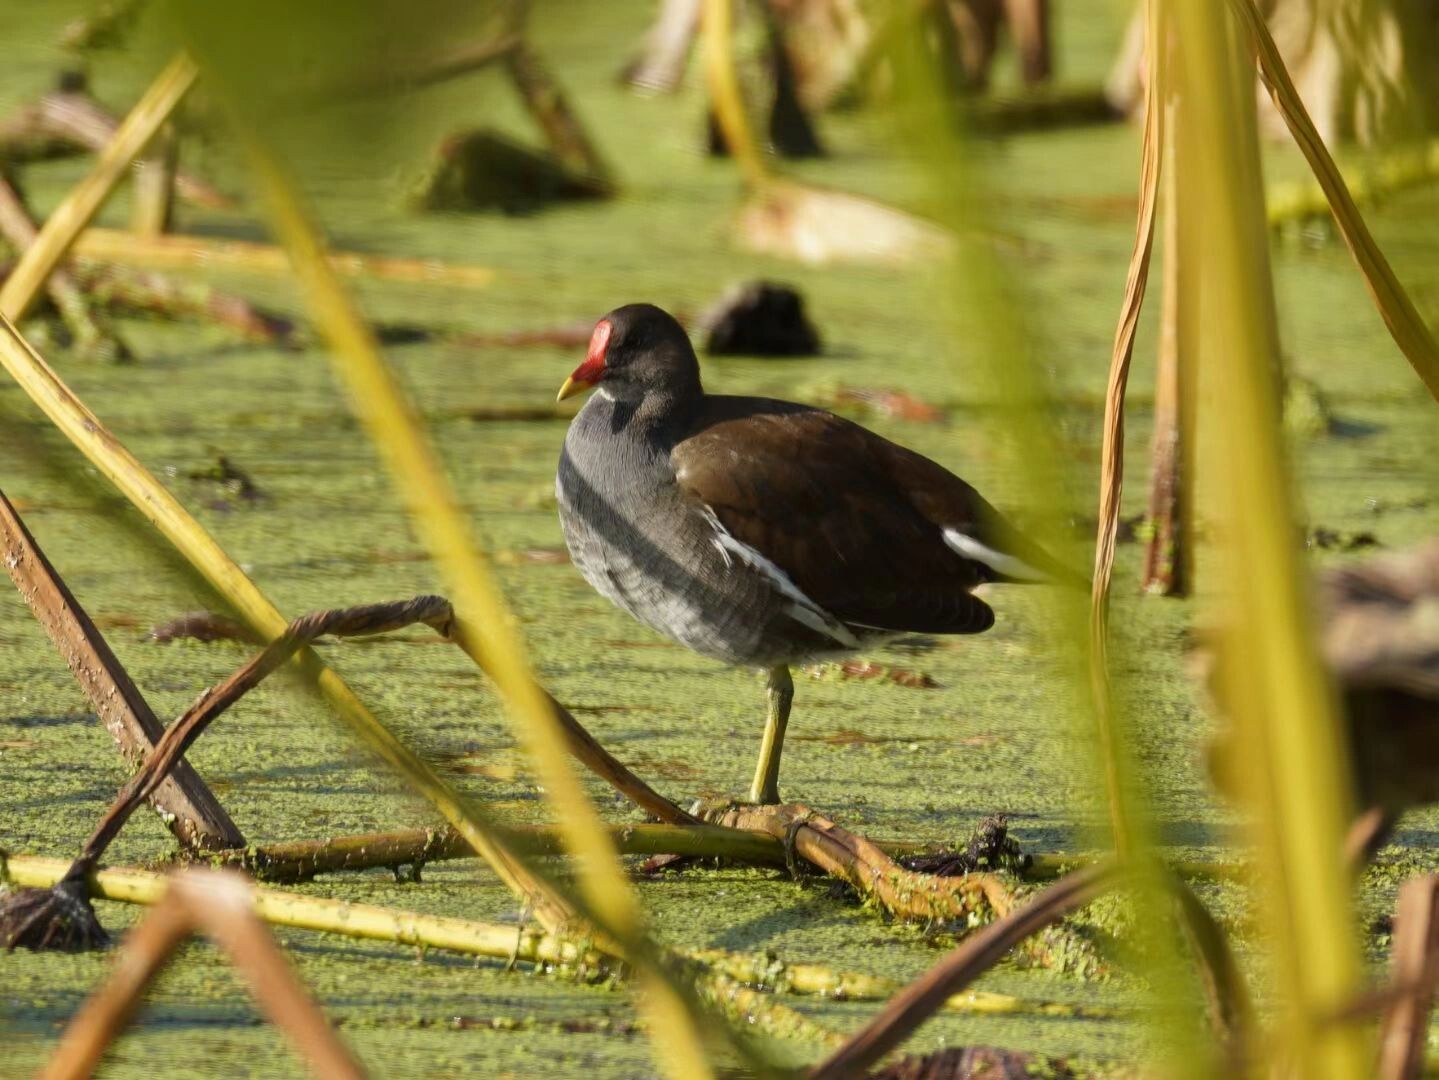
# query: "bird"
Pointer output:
{"type": "Point", "coordinates": [765, 533]}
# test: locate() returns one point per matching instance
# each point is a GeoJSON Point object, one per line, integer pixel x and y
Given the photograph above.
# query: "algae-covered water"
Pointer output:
{"type": "Point", "coordinates": [994, 735]}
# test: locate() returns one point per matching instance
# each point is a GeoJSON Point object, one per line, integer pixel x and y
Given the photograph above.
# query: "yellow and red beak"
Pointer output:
{"type": "Point", "coordinates": [592, 370]}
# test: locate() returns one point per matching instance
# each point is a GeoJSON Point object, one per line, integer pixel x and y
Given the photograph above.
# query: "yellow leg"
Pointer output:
{"type": "Point", "coordinates": [780, 691]}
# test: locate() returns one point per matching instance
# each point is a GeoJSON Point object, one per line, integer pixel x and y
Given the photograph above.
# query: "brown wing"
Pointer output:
{"type": "Point", "coordinates": [821, 499]}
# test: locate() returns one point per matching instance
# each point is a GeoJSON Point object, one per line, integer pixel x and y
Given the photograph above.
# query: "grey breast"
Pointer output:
{"type": "Point", "coordinates": [643, 546]}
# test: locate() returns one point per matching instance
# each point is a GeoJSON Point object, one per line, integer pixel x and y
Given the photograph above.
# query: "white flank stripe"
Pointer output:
{"type": "Point", "coordinates": [997, 561]}
{"type": "Point", "coordinates": [803, 609]}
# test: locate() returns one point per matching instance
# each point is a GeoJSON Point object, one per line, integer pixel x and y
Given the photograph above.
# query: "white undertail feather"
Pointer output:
{"type": "Point", "coordinates": [802, 609]}
{"type": "Point", "coordinates": [998, 561]}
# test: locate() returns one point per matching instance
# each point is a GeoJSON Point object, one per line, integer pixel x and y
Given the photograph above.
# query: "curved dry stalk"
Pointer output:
{"type": "Point", "coordinates": [969, 900]}
{"type": "Point", "coordinates": [1111, 468]}
{"type": "Point", "coordinates": [69, 219]}
{"type": "Point", "coordinates": [1405, 324]}
{"type": "Point", "coordinates": [218, 905]}
{"type": "Point", "coordinates": [1298, 201]}
{"type": "Point", "coordinates": [44, 922]}
{"type": "Point", "coordinates": [1231, 1012]}
{"type": "Point", "coordinates": [189, 808]}
{"type": "Point", "coordinates": [927, 994]}
{"type": "Point", "coordinates": [116, 463]}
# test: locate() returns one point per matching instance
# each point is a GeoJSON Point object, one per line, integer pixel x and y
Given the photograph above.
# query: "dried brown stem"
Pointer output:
{"type": "Point", "coordinates": [1416, 962]}
{"type": "Point", "coordinates": [218, 905]}
{"type": "Point", "coordinates": [302, 859]}
{"type": "Point", "coordinates": [925, 996]}
{"type": "Point", "coordinates": [188, 807]}
{"type": "Point", "coordinates": [1408, 328]}
{"type": "Point", "coordinates": [1231, 1012]}
{"type": "Point", "coordinates": [343, 622]}
{"type": "Point", "coordinates": [610, 769]}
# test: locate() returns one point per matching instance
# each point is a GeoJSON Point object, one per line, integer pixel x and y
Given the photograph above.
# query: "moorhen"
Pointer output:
{"type": "Point", "coordinates": [762, 532]}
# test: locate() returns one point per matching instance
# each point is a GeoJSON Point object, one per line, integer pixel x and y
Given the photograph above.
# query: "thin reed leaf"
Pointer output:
{"type": "Point", "coordinates": [1406, 325]}
{"type": "Point", "coordinates": [484, 626]}
{"type": "Point", "coordinates": [1274, 686]}
{"type": "Point", "coordinates": [1111, 467]}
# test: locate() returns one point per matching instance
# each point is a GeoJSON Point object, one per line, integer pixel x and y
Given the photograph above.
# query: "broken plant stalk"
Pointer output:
{"type": "Point", "coordinates": [61, 918]}
{"type": "Point", "coordinates": [914, 1005]}
{"type": "Point", "coordinates": [218, 905]}
{"type": "Point", "coordinates": [187, 806]}
{"type": "Point", "coordinates": [79, 207]}
{"type": "Point", "coordinates": [151, 293]}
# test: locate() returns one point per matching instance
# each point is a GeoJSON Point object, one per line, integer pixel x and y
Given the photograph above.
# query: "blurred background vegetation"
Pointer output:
{"type": "Point", "coordinates": [256, 439]}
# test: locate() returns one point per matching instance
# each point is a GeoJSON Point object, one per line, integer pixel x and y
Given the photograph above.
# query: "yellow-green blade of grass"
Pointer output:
{"type": "Point", "coordinates": [1001, 362]}
{"type": "Point", "coordinates": [1274, 686]}
{"type": "Point", "coordinates": [486, 627]}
